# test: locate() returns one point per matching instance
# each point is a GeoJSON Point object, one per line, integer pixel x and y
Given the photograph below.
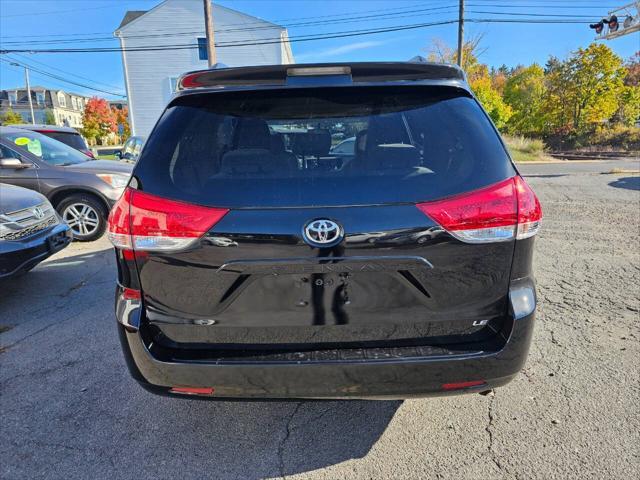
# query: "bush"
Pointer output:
{"type": "Point", "coordinates": [603, 138]}
{"type": "Point", "coordinates": [10, 117]}
{"type": "Point", "coordinates": [617, 137]}
{"type": "Point", "coordinates": [525, 149]}
{"type": "Point", "coordinates": [528, 145]}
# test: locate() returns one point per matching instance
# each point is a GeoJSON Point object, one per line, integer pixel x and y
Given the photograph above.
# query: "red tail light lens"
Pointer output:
{"type": "Point", "coordinates": [119, 223]}
{"type": "Point", "coordinates": [497, 213]}
{"type": "Point", "coordinates": [529, 210]}
{"type": "Point", "coordinates": [145, 222]}
{"type": "Point", "coordinates": [131, 294]}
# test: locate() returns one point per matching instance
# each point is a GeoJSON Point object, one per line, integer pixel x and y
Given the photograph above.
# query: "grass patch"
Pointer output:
{"type": "Point", "coordinates": [524, 149]}
{"type": "Point", "coordinates": [107, 157]}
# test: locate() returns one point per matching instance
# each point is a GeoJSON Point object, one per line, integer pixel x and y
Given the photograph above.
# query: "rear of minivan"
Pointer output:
{"type": "Point", "coordinates": [255, 263]}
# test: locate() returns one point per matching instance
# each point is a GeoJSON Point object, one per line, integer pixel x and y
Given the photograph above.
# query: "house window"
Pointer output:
{"type": "Point", "coordinates": [40, 98]}
{"type": "Point", "coordinates": [62, 100]}
{"type": "Point", "coordinates": [173, 85]}
{"type": "Point", "coordinates": [13, 97]}
{"type": "Point", "coordinates": [74, 103]}
{"type": "Point", "coordinates": [79, 104]}
{"type": "Point", "coordinates": [202, 49]}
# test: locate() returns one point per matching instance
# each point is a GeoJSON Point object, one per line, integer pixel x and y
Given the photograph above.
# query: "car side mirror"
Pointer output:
{"type": "Point", "coordinates": [118, 154]}
{"type": "Point", "coordinates": [14, 163]}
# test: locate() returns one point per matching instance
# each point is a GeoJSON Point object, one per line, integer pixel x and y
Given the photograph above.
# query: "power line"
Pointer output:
{"type": "Point", "coordinates": [57, 77]}
{"type": "Point", "coordinates": [258, 22]}
{"type": "Point", "coordinates": [64, 71]}
{"type": "Point", "coordinates": [55, 12]}
{"type": "Point", "coordinates": [347, 19]}
{"type": "Point", "coordinates": [404, 14]}
{"type": "Point", "coordinates": [350, 33]}
{"type": "Point", "coordinates": [296, 39]}
{"type": "Point", "coordinates": [524, 14]}
{"type": "Point", "coordinates": [53, 82]}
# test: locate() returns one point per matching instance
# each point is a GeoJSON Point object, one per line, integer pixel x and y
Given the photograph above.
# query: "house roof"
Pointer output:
{"type": "Point", "coordinates": [130, 16]}
{"type": "Point", "coordinates": [33, 87]}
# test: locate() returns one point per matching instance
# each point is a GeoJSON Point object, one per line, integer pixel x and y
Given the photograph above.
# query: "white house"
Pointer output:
{"type": "Point", "coordinates": [150, 76]}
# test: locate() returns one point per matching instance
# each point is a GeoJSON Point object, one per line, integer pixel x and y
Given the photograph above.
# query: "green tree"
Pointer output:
{"type": "Point", "coordinates": [584, 90]}
{"type": "Point", "coordinates": [10, 118]}
{"type": "Point", "coordinates": [524, 92]}
{"type": "Point", "coordinates": [632, 65]}
{"type": "Point", "coordinates": [49, 117]}
{"type": "Point", "coordinates": [629, 111]}
{"type": "Point", "coordinates": [491, 100]}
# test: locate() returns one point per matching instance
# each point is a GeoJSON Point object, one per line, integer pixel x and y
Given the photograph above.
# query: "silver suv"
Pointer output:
{"type": "Point", "coordinates": [30, 230]}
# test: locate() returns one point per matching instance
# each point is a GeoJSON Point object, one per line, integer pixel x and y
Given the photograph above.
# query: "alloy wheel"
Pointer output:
{"type": "Point", "coordinates": [81, 218]}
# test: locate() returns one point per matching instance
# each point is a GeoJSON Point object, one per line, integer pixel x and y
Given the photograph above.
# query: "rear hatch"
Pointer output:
{"type": "Point", "coordinates": [253, 233]}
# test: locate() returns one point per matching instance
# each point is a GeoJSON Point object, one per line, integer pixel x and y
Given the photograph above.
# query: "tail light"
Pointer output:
{"type": "Point", "coordinates": [144, 222]}
{"type": "Point", "coordinates": [497, 213]}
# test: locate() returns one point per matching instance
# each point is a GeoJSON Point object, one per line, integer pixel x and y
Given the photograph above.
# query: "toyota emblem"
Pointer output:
{"type": "Point", "coordinates": [322, 233]}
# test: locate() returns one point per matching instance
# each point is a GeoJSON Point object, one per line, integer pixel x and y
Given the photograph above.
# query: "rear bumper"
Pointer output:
{"type": "Point", "coordinates": [377, 378]}
{"type": "Point", "coordinates": [20, 255]}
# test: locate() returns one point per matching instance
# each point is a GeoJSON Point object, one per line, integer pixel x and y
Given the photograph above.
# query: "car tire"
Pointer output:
{"type": "Point", "coordinates": [85, 215]}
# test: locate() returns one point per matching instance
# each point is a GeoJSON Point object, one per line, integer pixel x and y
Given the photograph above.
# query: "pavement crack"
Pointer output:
{"type": "Point", "coordinates": [489, 430]}
{"type": "Point", "coordinates": [320, 415]}
{"type": "Point", "coordinates": [284, 440]}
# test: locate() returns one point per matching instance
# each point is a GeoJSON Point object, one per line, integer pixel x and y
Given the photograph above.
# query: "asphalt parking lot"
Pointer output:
{"type": "Point", "coordinates": [68, 408]}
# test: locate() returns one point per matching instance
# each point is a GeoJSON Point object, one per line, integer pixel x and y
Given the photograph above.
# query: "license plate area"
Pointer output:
{"type": "Point", "coordinates": [57, 241]}
{"type": "Point", "coordinates": [322, 291]}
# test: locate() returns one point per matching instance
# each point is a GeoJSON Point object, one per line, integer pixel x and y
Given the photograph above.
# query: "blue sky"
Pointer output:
{"type": "Point", "coordinates": [511, 44]}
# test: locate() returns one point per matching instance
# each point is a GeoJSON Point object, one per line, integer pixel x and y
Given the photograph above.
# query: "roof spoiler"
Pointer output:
{"type": "Point", "coordinates": [320, 74]}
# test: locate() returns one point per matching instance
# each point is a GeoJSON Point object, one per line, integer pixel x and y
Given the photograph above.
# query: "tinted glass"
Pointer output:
{"type": "Point", "coordinates": [346, 147]}
{"type": "Point", "coordinates": [273, 148]}
{"type": "Point", "coordinates": [72, 139]}
{"type": "Point", "coordinates": [128, 147]}
{"type": "Point", "coordinates": [48, 149]}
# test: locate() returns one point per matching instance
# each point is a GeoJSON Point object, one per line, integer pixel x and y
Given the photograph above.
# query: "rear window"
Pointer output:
{"type": "Point", "coordinates": [72, 139]}
{"type": "Point", "coordinates": [321, 147]}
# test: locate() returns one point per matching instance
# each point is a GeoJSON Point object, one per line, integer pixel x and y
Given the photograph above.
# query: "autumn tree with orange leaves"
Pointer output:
{"type": "Point", "coordinates": [122, 118]}
{"type": "Point", "coordinates": [98, 119]}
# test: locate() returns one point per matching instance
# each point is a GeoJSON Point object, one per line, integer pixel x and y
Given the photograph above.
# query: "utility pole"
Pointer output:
{"type": "Point", "coordinates": [208, 22]}
{"type": "Point", "coordinates": [460, 32]}
{"type": "Point", "coordinates": [26, 80]}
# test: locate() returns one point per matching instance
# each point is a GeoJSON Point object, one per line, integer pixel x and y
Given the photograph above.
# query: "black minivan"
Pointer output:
{"type": "Point", "coordinates": [254, 263]}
